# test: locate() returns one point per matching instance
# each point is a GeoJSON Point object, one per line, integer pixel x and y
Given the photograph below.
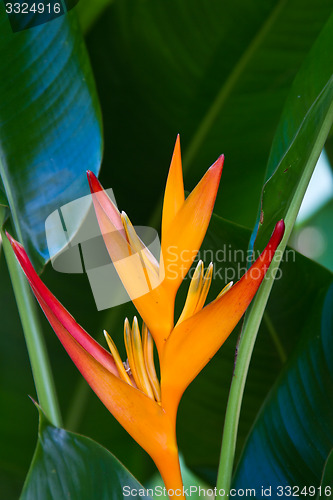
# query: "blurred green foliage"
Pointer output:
{"type": "Point", "coordinates": [218, 73]}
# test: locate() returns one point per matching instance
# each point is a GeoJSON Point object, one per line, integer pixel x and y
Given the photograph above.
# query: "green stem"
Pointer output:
{"type": "Point", "coordinates": [245, 350]}
{"type": "Point", "coordinates": [39, 361]}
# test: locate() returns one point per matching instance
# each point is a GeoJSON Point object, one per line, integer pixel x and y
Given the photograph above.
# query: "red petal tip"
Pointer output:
{"type": "Point", "coordinates": [12, 241]}
{"type": "Point", "coordinates": [278, 233]}
{"type": "Point", "coordinates": [217, 166]}
{"type": "Point", "coordinates": [94, 183]}
{"type": "Point", "coordinates": [90, 175]}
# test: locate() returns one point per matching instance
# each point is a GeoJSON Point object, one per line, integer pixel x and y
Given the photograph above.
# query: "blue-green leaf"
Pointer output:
{"type": "Point", "coordinates": [50, 124]}
{"type": "Point", "coordinates": [300, 137]}
{"type": "Point", "coordinates": [67, 465]}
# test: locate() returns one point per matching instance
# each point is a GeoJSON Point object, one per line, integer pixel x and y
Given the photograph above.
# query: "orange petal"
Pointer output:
{"type": "Point", "coordinates": [195, 341]}
{"type": "Point", "coordinates": [174, 196]}
{"type": "Point", "coordinates": [182, 241]}
{"type": "Point", "coordinates": [157, 310]}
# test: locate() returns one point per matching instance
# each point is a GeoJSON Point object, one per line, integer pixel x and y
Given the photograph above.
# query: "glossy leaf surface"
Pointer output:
{"type": "Point", "coordinates": [288, 445]}
{"type": "Point", "coordinates": [50, 124]}
{"type": "Point", "coordinates": [67, 465]}
{"type": "Point", "coordinates": [300, 136]}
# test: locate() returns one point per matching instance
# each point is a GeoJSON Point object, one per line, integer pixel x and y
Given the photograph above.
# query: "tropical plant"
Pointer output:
{"type": "Point", "coordinates": [250, 81]}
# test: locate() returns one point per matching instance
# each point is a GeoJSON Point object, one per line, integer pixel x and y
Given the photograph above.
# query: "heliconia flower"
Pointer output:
{"type": "Point", "coordinates": [144, 405]}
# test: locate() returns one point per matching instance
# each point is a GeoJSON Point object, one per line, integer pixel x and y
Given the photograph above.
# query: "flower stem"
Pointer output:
{"type": "Point", "coordinates": [39, 360]}
{"type": "Point", "coordinates": [245, 349]}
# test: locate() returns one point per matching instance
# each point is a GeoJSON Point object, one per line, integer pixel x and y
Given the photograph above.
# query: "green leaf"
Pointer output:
{"type": "Point", "coordinates": [217, 78]}
{"type": "Point", "coordinates": [3, 199]}
{"type": "Point", "coordinates": [67, 465]}
{"type": "Point", "coordinates": [293, 434]}
{"type": "Point", "coordinates": [50, 124]}
{"type": "Point", "coordinates": [329, 149]}
{"type": "Point", "coordinates": [305, 123]}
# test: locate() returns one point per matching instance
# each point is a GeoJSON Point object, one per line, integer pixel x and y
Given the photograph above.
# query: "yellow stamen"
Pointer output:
{"type": "Point", "coordinates": [224, 290]}
{"type": "Point", "coordinates": [140, 359]}
{"type": "Point", "coordinates": [139, 247]}
{"type": "Point", "coordinates": [205, 287]}
{"type": "Point", "coordinates": [130, 354]}
{"type": "Point", "coordinates": [144, 383]}
{"type": "Point", "coordinates": [117, 359]}
{"type": "Point", "coordinates": [197, 292]}
{"type": "Point", "coordinates": [148, 353]}
{"type": "Point", "coordinates": [193, 293]}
